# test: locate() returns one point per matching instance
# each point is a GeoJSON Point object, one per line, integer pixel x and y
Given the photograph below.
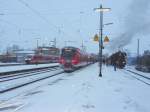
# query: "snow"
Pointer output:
{"type": "Point", "coordinates": [23, 67]}
{"type": "Point", "coordinates": [132, 68]}
{"type": "Point", "coordinates": [82, 91]}
{"type": "Point", "coordinates": [8, 63]}
{"type": "Point", "coordinates": [30, 78]}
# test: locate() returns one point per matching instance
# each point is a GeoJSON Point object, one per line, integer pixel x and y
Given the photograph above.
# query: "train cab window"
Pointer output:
{"type": "Point", "coordinates": [68, 53]}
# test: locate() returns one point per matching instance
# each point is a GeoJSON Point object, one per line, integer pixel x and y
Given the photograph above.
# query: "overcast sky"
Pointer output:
{"type": "Point", "coordinates": [23, 21]}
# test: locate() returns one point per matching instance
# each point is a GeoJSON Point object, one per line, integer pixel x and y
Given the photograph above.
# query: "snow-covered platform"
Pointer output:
{"type": "Point", "coordinates": [23, 67]}
{"type": "Point", "coordinates": [84, 91]}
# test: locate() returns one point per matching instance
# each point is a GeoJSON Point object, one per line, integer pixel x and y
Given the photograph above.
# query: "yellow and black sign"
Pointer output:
{"type": "Point", "coordinates": [106, 39]}
{"type": "Point", "coordinates": [96, 38]}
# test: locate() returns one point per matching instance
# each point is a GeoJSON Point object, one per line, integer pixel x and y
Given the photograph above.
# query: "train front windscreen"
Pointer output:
{"type": "Point", "coordinates": [68, 53]}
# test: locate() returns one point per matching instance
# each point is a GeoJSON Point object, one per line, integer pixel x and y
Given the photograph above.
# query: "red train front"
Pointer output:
{"type": "Point", "coordinates": [72, 58]}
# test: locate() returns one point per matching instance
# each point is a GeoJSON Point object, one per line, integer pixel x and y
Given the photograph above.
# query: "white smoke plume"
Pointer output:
{"type": "Point", "coordinates": [137, 21]}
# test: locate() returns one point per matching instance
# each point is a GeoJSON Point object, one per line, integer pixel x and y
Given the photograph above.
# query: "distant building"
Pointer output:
{"type": "Point", "coordinates": [22, 55]}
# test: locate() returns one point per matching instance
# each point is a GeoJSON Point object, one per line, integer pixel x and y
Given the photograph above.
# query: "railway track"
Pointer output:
{"type": "Point", "coordinates": [20, 79]}
{"type": "Point", "coordinates": [18, 64]}
{"type": "Point", "coordinates": [5, 65]}
{"type": "Point", "coordinates": [25, 74]}
{"type": "Point", "coordinates": [24, 70]}
{"type": "Point", "coordinates": [31, 76]}
{"type": "Point", "coordinates": [139, 77]}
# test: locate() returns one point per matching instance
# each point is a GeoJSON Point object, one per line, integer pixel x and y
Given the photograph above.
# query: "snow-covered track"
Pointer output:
{"type": "Point", "coordinates": [3, 65]}
{"type": "Point", "coordinates": [11, 83]}
{"type": "Point", "coordinates": [140, 77]}
{"type": "Point", "coordinates": [26, 74]}
{"type": "Point", "coordinates": [24, 70]}
{"type": "Point", "coordinates": [18, 64]}
{"type": "Point", "coordinates": [16, 86]}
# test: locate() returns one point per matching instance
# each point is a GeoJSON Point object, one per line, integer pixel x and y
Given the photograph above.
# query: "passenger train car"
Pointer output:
{"type": "Point", "coordinates": [72, 58]}
{"type": "Point", "coordinates": [44, 55]}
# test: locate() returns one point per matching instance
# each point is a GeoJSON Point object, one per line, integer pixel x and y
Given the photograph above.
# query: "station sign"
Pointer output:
{"type": "Point", "coordinates": [96, 38]}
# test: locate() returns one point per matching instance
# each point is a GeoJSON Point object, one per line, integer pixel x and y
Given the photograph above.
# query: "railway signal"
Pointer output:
{"type": "Point", "coordinates": [106, 39]}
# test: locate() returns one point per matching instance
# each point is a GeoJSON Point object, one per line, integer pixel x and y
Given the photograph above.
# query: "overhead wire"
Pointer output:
{"type": "Point", "coordinates": [42, 17]}
{"type": "Point", "coordinates": [10, 23]}
{"type": "Point", "coordinates": [17, 27]}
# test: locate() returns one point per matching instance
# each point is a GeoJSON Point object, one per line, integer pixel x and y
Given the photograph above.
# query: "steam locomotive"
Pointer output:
{"type": "Point", "coordinates": [117, 59]}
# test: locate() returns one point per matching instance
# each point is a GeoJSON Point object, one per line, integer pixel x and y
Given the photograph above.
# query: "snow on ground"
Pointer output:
{"type": "Point", "coordinates": [84, 91]}
{"type": "Point", "coordinates": [132, 68]}
{"type": "Point", "coordinates": [8, 63]}
{"type": "Point", "coordinates": [23, 67]}
{"type": "Point", "coordinates": [30, 78]}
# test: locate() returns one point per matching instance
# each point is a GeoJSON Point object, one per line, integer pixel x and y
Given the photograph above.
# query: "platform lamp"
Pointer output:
{"type": "Point", "coordinates": [101, 10]}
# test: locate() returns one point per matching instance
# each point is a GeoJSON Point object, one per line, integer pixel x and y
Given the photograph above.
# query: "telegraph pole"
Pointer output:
{"type": "Point", "coordinates": [55, 42]}
{"type": "Point", "coordinates": [37, 42]}
{"type": "Point", "coordinates": [101, 41]}
{"type": "Point", "coordinates": [83, 46]}
{"type": "Point", "coordinates": [138, 50]}
{"type": "Point", "coordinates": [101, 10]}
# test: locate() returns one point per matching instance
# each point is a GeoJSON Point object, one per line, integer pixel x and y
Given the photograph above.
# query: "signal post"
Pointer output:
{"type": "Point", "coordinates": [101, 10]}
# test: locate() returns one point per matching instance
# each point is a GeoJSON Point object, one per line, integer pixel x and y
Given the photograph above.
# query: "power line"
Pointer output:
{"type": "Point", "coordinates": [41, 16]}
{"type": "Point", "coordinates": [33, 10]}
{"type": "Point", "coordinates": [10, 23]}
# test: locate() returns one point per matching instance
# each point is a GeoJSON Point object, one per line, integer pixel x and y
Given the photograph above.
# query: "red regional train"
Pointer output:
{"type": "Point", "coordinates": [44, 55]}
{"type": "Point", "coordinates": [72, 58]}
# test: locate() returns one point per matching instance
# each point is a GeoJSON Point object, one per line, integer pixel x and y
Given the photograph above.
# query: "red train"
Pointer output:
{"type": "Point", "coordinates": [44, 55]}
{"type": "Point", "coordinates": [72, 58]}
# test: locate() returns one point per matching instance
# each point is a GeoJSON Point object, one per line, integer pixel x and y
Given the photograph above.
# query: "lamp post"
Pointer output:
{"type": "Point", "coordinates": [37, 42]}
{"type": "Point", "coordinates": [101, 10]}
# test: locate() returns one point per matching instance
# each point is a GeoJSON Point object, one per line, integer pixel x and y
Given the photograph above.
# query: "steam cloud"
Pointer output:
{"type": "Point", "coordinates": [137, 21]}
